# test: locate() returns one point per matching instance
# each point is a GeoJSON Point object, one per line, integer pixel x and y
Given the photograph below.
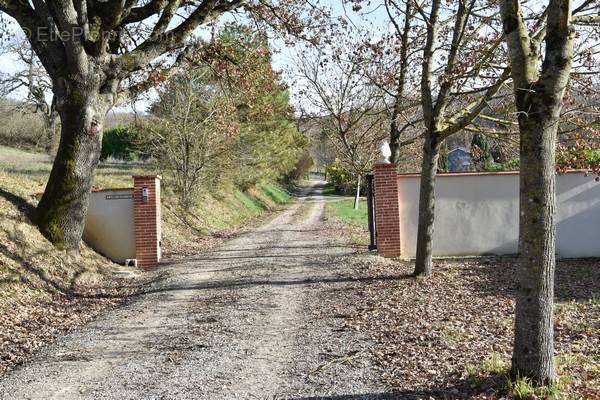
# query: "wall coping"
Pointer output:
{"type": "Point", "coordinates": [111, 190]}
{"type": "Point", "coordinates": [384, 165]}
{"type": "Point", "coordinates": [147, 177]}
{"type": "Point", "coordinates": [452, 174]}
{"type": "Point", "coordinates": [98, 190]}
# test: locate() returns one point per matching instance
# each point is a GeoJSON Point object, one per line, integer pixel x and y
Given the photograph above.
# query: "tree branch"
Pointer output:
{"type": "Point", "coordinates": [586, 20]}
{"type": "Point", "coordinates": [138, 14]}
{"type": "Point", "coordinates": [464, 117]}
{"type": "Point", "coordinates": [522, 56]}
{"type": "Point", "coordinates": [170, 40]}
{"type": "Point", "coordinates": [38, 31]}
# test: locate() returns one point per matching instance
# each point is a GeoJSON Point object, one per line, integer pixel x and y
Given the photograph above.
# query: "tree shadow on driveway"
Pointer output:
{"type": "Point", "coordinates": [447, 393]}
{"type": "Point", "coordinates": [223, 284]}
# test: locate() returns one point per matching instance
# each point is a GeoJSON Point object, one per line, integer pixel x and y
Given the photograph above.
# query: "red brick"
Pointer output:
{"type": "Point", "coordinates": [387, 210]}
{"type": "Point", "coordinates": [147, 221]}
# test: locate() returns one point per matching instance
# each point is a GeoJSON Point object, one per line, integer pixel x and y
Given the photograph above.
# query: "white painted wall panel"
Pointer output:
{"type": "Point", "coordinates": [109, 225]}
{"type": "Point", "coordinates": [479, 214]}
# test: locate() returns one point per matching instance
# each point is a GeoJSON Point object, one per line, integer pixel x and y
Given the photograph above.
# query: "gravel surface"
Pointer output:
{"type": "Point", "coordinates": [253, 319]}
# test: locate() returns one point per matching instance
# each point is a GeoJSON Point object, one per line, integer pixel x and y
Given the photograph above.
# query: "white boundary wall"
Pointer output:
{"type": "Point", "coordinates": [109, 225]}
{"type": "Point", "coordinates": [478, 214]}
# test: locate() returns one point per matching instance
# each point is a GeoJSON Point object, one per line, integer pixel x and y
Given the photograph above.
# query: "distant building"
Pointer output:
{"type": "Point", "coordinates": [459, 160]}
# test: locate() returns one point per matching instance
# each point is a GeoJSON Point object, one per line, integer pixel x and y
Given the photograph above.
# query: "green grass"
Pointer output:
{"type": "Point", "coordinates": [253, 204]}
{"type": "Point", "coordinates": [276, 193]}
{"type": "Point", "coordinates": [228, 208]}
{"type": "Point", "coordinates": [344, 210]}
{"type": "Point", "coordinates": [495, 365]}
{"type": "Point", "coordinates": [494, 374]}
{"type": "Point", "coordinates": [329, 190]}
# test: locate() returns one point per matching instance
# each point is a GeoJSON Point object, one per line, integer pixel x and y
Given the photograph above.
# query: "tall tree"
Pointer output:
{"type": "Point", "coordinates": [89, 49]}
{"type": "Point", "coordinates": [402, 30]}
{"type": "Point", "coordinates": [458, 47]}
{"type": "Point", "coordinates": [192, 133]}
{"type": "Point", "coordinates": [452, 100]}
{"type": "Point", "coordinates": [538, 92]}
{"type": "Point", "coordinates": [386, 60]}
{"type": "Point", "coordinates": [225, 118]}
{"type": "Point", "coordinates": [386, 63]}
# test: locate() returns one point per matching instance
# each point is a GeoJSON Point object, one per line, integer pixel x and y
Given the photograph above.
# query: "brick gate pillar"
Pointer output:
{"type": "Point", "coordinates": [147, 219]}
{"type": "Point", "coordinates": [387, 210]}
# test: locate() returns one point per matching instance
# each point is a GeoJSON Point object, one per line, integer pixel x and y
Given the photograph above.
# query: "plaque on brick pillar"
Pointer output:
{"type": "Point", "coordinates": [147, 220]}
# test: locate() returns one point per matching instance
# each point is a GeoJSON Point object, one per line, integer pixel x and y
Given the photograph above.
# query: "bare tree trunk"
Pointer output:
{"type": "Point", "coordinates": [533, 352]}
{"type": "Point", "coordinates": [52, 121]}
{"type": "Point", "coordinates": [538, 98]}
{"type": "Point", "coordinates": [399, 99]}
{"type": "Point", "coordinates": [431, 152]}
{"type": "Point", "coordinates": [61, 212]}
{"type": "Point", "coordinates": [357, 197]}
{"type": "Point", "coordinates": [394, 142]}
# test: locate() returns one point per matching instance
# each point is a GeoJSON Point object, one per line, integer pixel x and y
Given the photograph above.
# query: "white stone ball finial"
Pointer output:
{"type": "Point", "coordinates": [386, 152]}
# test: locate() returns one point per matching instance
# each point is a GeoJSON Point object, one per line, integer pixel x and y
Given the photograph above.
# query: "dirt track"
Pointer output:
{"type": "Point", "coordinates": [252, 319]}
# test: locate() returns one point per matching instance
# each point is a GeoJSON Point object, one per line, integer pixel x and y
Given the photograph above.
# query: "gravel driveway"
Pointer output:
{"type": "Point", "coordinates": [252, 319]}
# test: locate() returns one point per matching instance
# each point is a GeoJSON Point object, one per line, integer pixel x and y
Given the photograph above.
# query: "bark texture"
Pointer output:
{"type": "Point", "coordinates": [431, 152]}
{"type": "Point", "coordinates": [357, 195]}
{"type": "Point", "coordinates": [60, 215]}
{"type": "Point", "coordinates": [534, 333]}
{"type": "Point", "coordinates": [538, 97]}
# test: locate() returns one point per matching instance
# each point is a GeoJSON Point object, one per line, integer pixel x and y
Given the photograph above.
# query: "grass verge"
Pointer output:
{"type": "Point", "coordinates": [493, 376]}
{"type": "Point", "coordinates": [329, 190]}
{"type": "Point", "coordinates": [353, 223]}
{"type": "Point", "coordinates": [345, 212]}
{"type": "Point", "coordinates": [218, 215]}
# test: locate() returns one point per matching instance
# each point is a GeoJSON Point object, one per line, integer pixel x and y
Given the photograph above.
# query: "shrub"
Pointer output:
{"type": "Point", "coordinates": [582, 152]}
{"type": "Point", "coordinates": [121, 142]}
{"type": "Point", "coordinates": [342, 180]}
{"type": "Point", "coordinates": [512, 165]}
